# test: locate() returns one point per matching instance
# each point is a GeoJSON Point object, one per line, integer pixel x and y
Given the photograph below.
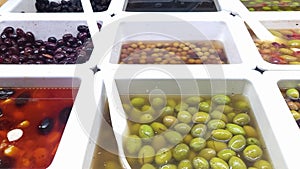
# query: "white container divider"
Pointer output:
{"type": "Point", "coordinates": [175, 81]}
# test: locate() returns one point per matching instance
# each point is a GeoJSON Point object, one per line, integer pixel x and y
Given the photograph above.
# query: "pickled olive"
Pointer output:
{"type": "Point", "coordinates": [288, 58]}
{"type": "Point", "coordinates": [197, 143]}
{"type": "Point", "coordinates": [217, 163]}
{"type": "Point", "coordinates": [148, 166]}
{"type": "Point", "coordinates": [226, 154]}
{"type": "Point", "coordinates": [133, 144]}
{"type": "Point", "coordinates": [230, 116]}
{"type": "Point", "coordinates": [286, 51]}
{"type": "Point", "coordinates": [201, 117]}
{"type": "Point", "coordinates": [200, 163]}
{"type": "Point", "coordinates": [135, 114]}
{"type": "Point", "coordinates": [294, 43]}
{"type": "Point", "coordinates": [216, 124]}
{"type": "Point", "coordinates": [181, 151]}
{"type": "Point", "coordinates": [185, 164]}
{"type": "Point", "coordinates": [237, 143]}
{"type": "Point", "coordinates": [218, 115]}
{"type": "Point", "coordinates": [252, 153]}
{"type": "Point", "coordinates": [221, 135]}
{"type": "Point", "coordinates": [171, 103]}
{"type": "Point", "coordinates": [242, 106]}
{"type": "Point", "coordinates": [170, 121]}
{"type": "Point", "coordinates": [252, 140]}
{"type": "Point", "coordinates": [148, 109]}
{"type": "Point", "coordinates": [235, 129]}
{"type": "Point", "coordinates": [216, 145]}
{"type": "Point", "coordinates": [262, 164]}
{"type": "Point", "coordinates": [158, 142]}
{"type": "Point", "coordinates": [182, 128]}
{"type": "Point", "coordinates": [138, 102]}
{"type": "Point", "coordinates": [22, 99]}
{"type": "Point", "coordinates": [292, 105]}
{"type": "Point", "coordinates": [224, 108]}
{"type": "Point", "coordinates": [193, 100]}
{"type": "Point", "coordinates": [204, 106]}
{"type": "Point", "coordinates": [295, 114]}
{"type": "Point", "coordinates": [167, 111]}
{"type": "Point", "coordinates": [127, 108]}
{"type": "Point", "coordinates": [199, 130]}
{"type": "Point", "coordinates": [158, 127]}
{"type": "Point", "coordinates": [181, 107]}
{"type": "Point", "coordinates": [134, 128]}
{"type": "Point", "coordinates": [146, 132]}
{"type": "Point", "coordinates": [221, 99]}
{"type": "Point", "coordinates": [207, 153]}
{"type": "Point", "coordinates": [192, 155]}
{"type": "Point", "coordinates": [7, 162]}
{"type": "Point", "coordinates": [46, 126]}
{"type": "Point", "coordinates": [146, 118]}
{"type": "Point", "coordinates": [158, 103]}
{"type": "Point", "coordinates": [250, 131]}
{"type": "Point", "coordinates": [184, 116]}
{"type": "Point", "coordinates": [173, 137]}
{"type": "Point", "coordinates": [192, 110]}
{"type": "Point", "coordinates": [168, 166]}
{"type": "Point", "coordinates": [187, 139]}
{"type": "Point", "coordinates": [292, 93]}
{"type": "Point", "coordinates": [146, 155]}
{"type": "Point", "coordinates": [241, 119]}
{"type": "Point", "coordinates": [236, 163]}
{"type": "Point", "coordinates": [163, 156]}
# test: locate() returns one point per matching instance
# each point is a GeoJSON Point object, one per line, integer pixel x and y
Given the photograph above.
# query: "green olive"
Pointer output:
{"type": "Point", "coordinates": [241, 119]}
{"type": "Point", "coordinates": [207, 153]}
{"type": "Point", "coordinates": [168, 166]}
{"type": "Point", "coordinates": [184, 116]}
{"type": "Point", "coordinates": [242, 105]}
{"type": "Point", "coordinates": [171, 102]}
{"type": "Point", "coordinates": [127, 108]}
{"type": "Point", "coordinates": [167, 111]}
{"type": "Point", "coordinates": [199, 130]}
{"type": "Point", "coordinates": [158, 103]}
{"type": "Point", "coordinates": [201, 117]}
{"type": "Point", "coordinates": [193, 100]}
{"type": "Point", "coordinates": [230, 116]}
{"type": "Point", "coordinates": [133, 144]}
{"type": "Point", "coordinates": [252, 152]}
{"type": "Point", "coordinates": [204, 106]}
{"type": "Point", "coordinates": [135, 114]}
{"type": "Point", "coordinates": [134, 128]}
{"type": "Point", "coordinates": [236, 163]}
{"type": "Point", "coordinates": [185, 164]}
{"type": "Point", "coordinates": [187, 138]}
{"type": "Point", "coordinates": [224, 108]}
{"type": "Point", "coordinates": [216, 145]}
{"type": "Point", "coordinates": [148, 109]}
{"type": "Point", "coordinates": [294, 43]}
{"type": "Point", "coordinates": [146, 154]}
{"type": "Point", "coordinates": [158, 127]}
{"type": "Point", "coordinates": [253, 168]}
{"type": "Point", "coordinates": [146, 118]}
{"type": "Point", "coordinates": [237, 143]}
{"type": "Point", "coordinates": [137, 102]}
{"type": "Point", "coordinates": [182, 128]}
{"type": "Point", "coordinates": [235, 129]}
{"type": "Point", "coordinates": [197, 143]}
{"type": "Point", "coordinates": [262, 164]}
{"type": "Point", "coordinates": [158, 142]}
{"type": "Point", "coordinates": [217, 163]}
{"type": "Point", "coordinates": [169, 121]}
{"type": "Point", "coordinates": [192, 110]}
{"type": "Point", "coordinates": [146, 132]}
{"type": "Point", "coordinates": [148, 166]}
{"type": "Point", "coordinates": [221, 135]}
{"type": "Point", "coordinates": [163, 156]}
{"type": "Point", "coordinates": [200, 163]}
{"type": "Point", "coordinates": [181, 151]}
{"type": "Point", "coordinates": [226, 154]}
{"type": "Point", "coordinates": [252, 140]}
{"type": "Point", "coordinates": [221, 99]}
{"type": "Point", "coordinates": [292, 93]}
{"type": "Point", "coordinates": [216, 124]}
{"type": "Point", "coordinates": [218, 115]}
{"type": "Point", "coordinates": [181, 107]}
{"type": "Point", "coordinates": [250, 131]}
{"type": "Point", "coordinates": [173, 137]}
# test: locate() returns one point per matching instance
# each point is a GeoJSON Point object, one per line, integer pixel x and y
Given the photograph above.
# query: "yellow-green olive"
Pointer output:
{"type": "Point", "coordinates": [193, 100]}
{"type": "Point", "coordinates": [181, 107]}
{"type": "Point", "coordinates": [204, 106]}
{"type": "Point", "coordinates": [200, 163]}
{"type": "Point", "coordinates": [262, 164]}
{"type": "Point", "coordinates": [148, 109]}
{"type": "Point", "coordinates": [230, 116]}
{"type": "Point", "coordinates": [235, 129]}
{"type": "Point", "coordinates": [192, 110]}
{"type": "Point", "coordinates": [295, 114]}
{"type": "Point", "coordinates": [163, 156]}
{"type": "Point", "coordinates": [184, 116]}
{"type": "Point", "coordinates": [207, 153]}
{"type": "Point", "coordinates": [148, 166]}
{"type": "Point", "coordinates": [137, 102]}
{"type": "Point", "coordinates": [192, 155]}
{"type": "Point", "coordinates": [146, 154]}
{"type": "Point", "coordinates": [224, 108]}
{"type": "Point", "coordinates": [292, 93]}
{"type": "Point", "coordinates": [237, 143]}
{"type": "Point", "coordinates": [216, 124]}
{"type": "Point", "coordinates": [250, 131]}
{"type": "Point", "coordinates": [242, 105]}
{"type": "Point", "coordinates": [135, 114]}
{"type": "Point", "coordinates": [180, 151]}
{"type": "Point", "coordinates": [185, 164]}
{"type": "Point", "coordinates": [252, 168]}
{"type": "Point", "coordinates": [182, 128]}
{"type": "Point", "coordinates": [158, 103]}
{"type": "Point", "coordinates": [199, 130]}
{"type": "Point", "coordinates": [127, 108]}
{"type": "Point", "coordinates": [241, 119]}
{"type": "Point", "coordinates": [197, 143]}
{"type": "Point", "coordinates": [218, 115]}
{"type": "Point", "coordinates": [171, 102]}
{"type": "Point", "coordinates": [216, 145]}
{"type": "Point", "coordinates": [252, 140]}
{"type": "Point", "coordinates": [294, 43]}
{"type": "Point", "coordinates": [201, 117]}
{"type": "Point", "coordinates": [133, 144]}
{"type": "Point", "coordinates": [187, 138]}
{"type": "Point", "coordinates": [134, 128]}
{"type": "Point", "coordinates": [252, 153]}
{"type": "Point", "coordinates": [217, 163]}
{"type": "Point", "coordinates": [221, 135]}
{"type": "Point", "coordinates": [167, 111]}
{"type": "Point", "coordinates": [158, 142]}
{"type": "Point", "coordinates": [226, 154]}
{"type": "Point", "coordinates": [168, 166]}
{"type": "Point", "coordinates": [146, 132]}
{"type": "Point", "coordinates": [221, 99]}
{"type": "Point", "coordinates": [173, 137]}
{"type": "Point", "coordinates": [158, 127]}
{"type": "Point", "coordinates": [170, 121]}
{"type": "Point", "coordinates": [146, 118]}
{"type": "Point", "coordinates": [236, 163]}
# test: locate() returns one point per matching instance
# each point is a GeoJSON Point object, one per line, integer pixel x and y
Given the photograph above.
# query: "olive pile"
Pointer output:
{"type": "Point", "coordinates": [291, 96]}
{"type": "Point", "coordinates": [198, 132]}
{"type": "Point", "coordinates": [20, 47]}
{"type": "Point", "coordinates": [167, 52]}
{"type": "Point", "coordinates": [273, 5]}
{"type": "Point", "coordinates": [100, 5]}
{"type": "Point", "coordinates": [64, 6]}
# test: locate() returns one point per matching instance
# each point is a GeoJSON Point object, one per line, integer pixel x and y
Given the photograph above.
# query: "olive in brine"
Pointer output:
{"type": "Point", "coordinates": [64, 115]}
{"type": "Point", "coordinates": [22, 99]}
{"type": "Point", "coordinates": [6, 162]}
{"type": "Point", "coordinates": [46, 126]}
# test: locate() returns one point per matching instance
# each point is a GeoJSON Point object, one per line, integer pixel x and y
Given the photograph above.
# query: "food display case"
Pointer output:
{"type": "Point", "coordinates": [149, 84]}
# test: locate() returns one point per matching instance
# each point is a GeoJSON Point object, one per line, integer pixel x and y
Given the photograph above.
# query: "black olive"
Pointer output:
{"type": "Point", "coordinates": [64, 115]}
{"type": "Point", "coordinates": [46, 126]}
{"type": "Point", "coordinates": [1, 113]}
{"type": "Point", "coordinates": [22, 99]}
{"type": "Point", "coordinates": [6, 124]}
{"type": "Point", "coordinates": [5, 93]}
{"type": "Point", "coordinates": [7, 162]}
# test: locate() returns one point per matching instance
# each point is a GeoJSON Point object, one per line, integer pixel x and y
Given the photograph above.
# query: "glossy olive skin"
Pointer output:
{"type": "Point", "coordinates": [181, 151]}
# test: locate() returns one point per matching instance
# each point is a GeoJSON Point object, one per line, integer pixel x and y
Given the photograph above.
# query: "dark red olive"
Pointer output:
{"type": "Point", "coordinates": [30, 37]}
{"type": "Point", "coordinates": [8, 30]}
{"type": "Point", "coordinates": [7, 162]}
{"type": "Point", "coordinates": [64, 115]}
{"type": "Point", "coordinates": [14, 58]}
{"type": "Point", "coordinates": [60, 42]}
{"type": "Point", "coordinates": [20, 32]}
{"type": "Point", "coordinates": [7, 42]}
{"type": "Point", "coordinates": [50, 46]}
{"type": "Point", "coordinates": [46, 126]}
{"type": "Point", "coordinates": [52, 39]}
{"type": "Point", "coordinates": [38, 43]}
{"type": "Point", "coordinates": [67, 36]}
{"type": "Point", "coordinates": [22, 99]}
{"type": "Point", "coordinates": [59, 56]}
{"type": "Point", "coordinates": [6, 124]}
{"type": "Point", "coordinates": [21, 41]}
{"type": "Point", "coordinates": [82, 28]}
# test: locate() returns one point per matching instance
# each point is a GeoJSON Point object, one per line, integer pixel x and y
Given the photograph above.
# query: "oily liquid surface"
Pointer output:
{"type": "Point", "coordinates": [41, 114]}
